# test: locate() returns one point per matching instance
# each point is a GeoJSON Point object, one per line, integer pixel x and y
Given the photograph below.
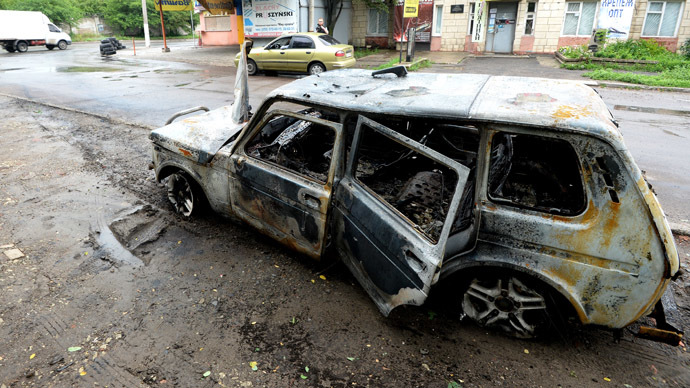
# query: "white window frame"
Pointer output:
{"type": "Point", "coordinates": [663, 12]}
{"type": "Point", "coordinates": [531, 16]}
{"type": "Point", "coordinates": [478, 34]}
{"type": "Point", "coordinates": [579, 17]}
{"type": "Point", "coordinates": [438, 12]}
{"type": "Point", "coordinates": [378, 33]}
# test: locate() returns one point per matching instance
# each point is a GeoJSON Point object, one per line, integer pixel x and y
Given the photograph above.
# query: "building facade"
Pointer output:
{"type": "Point", "coordinates": [525, 26]}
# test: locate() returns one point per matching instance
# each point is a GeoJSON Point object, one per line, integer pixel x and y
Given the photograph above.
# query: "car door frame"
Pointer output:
{"type": "Point", "coordinates": [258, 186]}
{"type": "Point", "coordinates": [295, 56]}
{"type": "Point", "coordinates": [277, 58]}
{"type": "Point", "coordinates": [362, 221]}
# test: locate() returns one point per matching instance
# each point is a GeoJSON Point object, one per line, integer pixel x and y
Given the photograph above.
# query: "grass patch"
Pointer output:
{"type": "Point", "coordinates": [673, 69]}
{"type": "Point", "coordinates": [98, 38]}
{"type": "Point", "coordinates": [678, 77]}
{"type": "Point", "coordinates": [391, 63]}
{"type": "Point", "coordinates": [421, 65]}
{"type": "Point", "coordinates": [363, 52]}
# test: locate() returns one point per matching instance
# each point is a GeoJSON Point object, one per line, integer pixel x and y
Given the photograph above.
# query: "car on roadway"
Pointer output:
{"type": "Point", "coordinates": [305, 52]}
{"type": "Point", "coordinates": [514, 197]}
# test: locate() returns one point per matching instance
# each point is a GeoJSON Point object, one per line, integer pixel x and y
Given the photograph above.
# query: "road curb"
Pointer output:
{"type": "Point", "coordinates": [104, 117]}
{"type": "Point", "coordinates": [680, 229]}
{"type": "Point", "coordinates": [622, 85]}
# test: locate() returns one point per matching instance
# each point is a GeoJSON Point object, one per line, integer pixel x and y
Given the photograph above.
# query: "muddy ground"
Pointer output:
{"type": "Point", "coordinates": [115, 291]}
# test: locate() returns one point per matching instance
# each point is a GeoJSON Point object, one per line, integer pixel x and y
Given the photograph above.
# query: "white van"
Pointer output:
{"type": "Point", "coordinates": [21, 29]}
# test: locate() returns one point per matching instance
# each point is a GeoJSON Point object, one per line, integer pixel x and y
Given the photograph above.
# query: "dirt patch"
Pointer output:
{"type": "Point", "coordinates": [212, 303]}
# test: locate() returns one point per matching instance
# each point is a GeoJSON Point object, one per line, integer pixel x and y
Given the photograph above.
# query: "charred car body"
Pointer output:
{"type": "Point", "coordinates": [523, 188]}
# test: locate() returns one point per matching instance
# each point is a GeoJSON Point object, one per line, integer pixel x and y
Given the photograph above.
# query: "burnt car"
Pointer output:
{"type": "Point", "coordinates": [518, 192]}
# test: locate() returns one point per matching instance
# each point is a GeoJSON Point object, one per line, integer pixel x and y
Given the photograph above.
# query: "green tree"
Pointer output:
{"type": "Point", "coordinates": [125, 16]}
{"type": "Point", "coordinates": [65, 12]}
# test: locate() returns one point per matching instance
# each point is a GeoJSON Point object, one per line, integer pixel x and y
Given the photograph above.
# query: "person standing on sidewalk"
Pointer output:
{"type": "Point", "coordinates": [321, 28]}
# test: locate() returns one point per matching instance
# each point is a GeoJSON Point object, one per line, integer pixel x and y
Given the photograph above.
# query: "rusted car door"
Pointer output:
{"type": "Point", "coordinates": [283, 171]}
{"type": "Point", "coordinates": [392, 236]}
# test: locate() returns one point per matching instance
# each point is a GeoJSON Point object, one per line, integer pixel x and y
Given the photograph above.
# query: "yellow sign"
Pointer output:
{"type": "Point", "coordinates": [174, 5]}
{"type": "Point", "coordinates": [411, 8]}
{"type": "Point", "coordinates": [218, 7]}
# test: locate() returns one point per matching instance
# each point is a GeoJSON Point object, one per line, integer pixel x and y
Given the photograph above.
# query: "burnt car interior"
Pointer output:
{"type": "Point", "coordinates": [537, 173]}
{"type": "Point", "coordinates": [298, 145]}
{"type": "Point", "coordinates": [415, 185]}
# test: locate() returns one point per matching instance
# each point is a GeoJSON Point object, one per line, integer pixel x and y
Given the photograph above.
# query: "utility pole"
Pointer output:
{"type": "Point", "coordinates": [165, 44]}
{"type": "Point", "coordinates": [147, 39]}
{"type": "Point", "coordinates": [311, 15]}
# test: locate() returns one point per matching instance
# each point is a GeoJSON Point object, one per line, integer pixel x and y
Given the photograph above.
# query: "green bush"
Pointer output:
{"type": "Point", "coordinates": [635, 49]}
{"type": "Point", "coordinates": [685, 49]}
{"type": "Point", "coordinates": [575, 52]}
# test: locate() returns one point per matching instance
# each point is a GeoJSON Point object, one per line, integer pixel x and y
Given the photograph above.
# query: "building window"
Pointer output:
{"type": "Point", "coordinates": [579, 18]}
{"type": "Point", "coordinates": [529, 19]}
{"type": "Point", "coordinates": [217, 23]}
{"type": "Point", "coordinates": [438, 19]}
{"type": "Point", "coordinates": [477, 21]}
{"type": "Point", "coordinates": [662, 18]}
{"type": "Point", "coordinates": [377, 24]}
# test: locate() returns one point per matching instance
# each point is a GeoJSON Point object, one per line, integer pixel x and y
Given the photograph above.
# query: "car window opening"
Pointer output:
{"type": "Point", "coordinates": [536, 172]}
{"type": "Point", "coordinates": [418, 187]}
{"type": "Point", "coordinates": [302, 146]}
{"type": "Point", "coordinates": [606, 174]}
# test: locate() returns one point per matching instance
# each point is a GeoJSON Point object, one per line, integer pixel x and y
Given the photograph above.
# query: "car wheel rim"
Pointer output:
{"type": "Point", "coordinates": [62, 45]}
{"type": "Point", "coordinates": [180, 194]}
{"type": "Point", "coordinates": [505, 303]}
{"type": "Point", "coordinates": [316, 69]}
{"type": "Point", "coordinates": [250, 67]}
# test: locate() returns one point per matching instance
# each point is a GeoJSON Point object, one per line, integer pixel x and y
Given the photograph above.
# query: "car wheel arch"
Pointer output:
{"type": "Point", "coordinates": [466, 268]}
{"type": "Point", "coordinates": [312, 63]}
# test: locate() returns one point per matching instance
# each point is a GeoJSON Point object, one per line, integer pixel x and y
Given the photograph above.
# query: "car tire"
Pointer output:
{"type": "Point", "coordinates": [62, 45]}
{"type": "Point", "coordinates": [316, 68]}
{"type": "Point", "coordinates": [512, 303]}
{"type": "Point", "coordinates": [251, 67]}
{"type": "Point", "coordinates": [50, 46]}
{"type": "Point", "coordinates": [9, 49]}
{"type": "Point", "coordinates": [22, 46]}
{"type": "Point", "coordinates": [184, 194]}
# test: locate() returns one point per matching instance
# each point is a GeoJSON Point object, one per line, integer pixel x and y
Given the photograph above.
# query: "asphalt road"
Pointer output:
{"type": "Point", "coordinates": [148, 88]}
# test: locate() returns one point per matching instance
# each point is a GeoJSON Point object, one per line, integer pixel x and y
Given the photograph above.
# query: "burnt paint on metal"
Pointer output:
{"type": "Point", "coordinates": [608, 261]}
{"type": "Point", "coordinates": [598, 259]}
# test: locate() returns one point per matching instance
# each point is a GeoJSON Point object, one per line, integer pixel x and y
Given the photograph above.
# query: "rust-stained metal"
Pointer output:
{"type": "Point", "coordinates": [666, 336]}
{"type": "Point", "coordinates": [583, 224]}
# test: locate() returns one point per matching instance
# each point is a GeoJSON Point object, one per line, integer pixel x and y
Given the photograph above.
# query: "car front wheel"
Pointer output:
{"type": "Point", "coordinates": [184, 194]}
{"type": "Point", "coordinates": [251, 67]}
{"type": "Point", "coordinates": [316, 68]}
{"type": "Point", "coordinates": [506, 302]}
{"type": "Point", "coordinates": [62, 45]}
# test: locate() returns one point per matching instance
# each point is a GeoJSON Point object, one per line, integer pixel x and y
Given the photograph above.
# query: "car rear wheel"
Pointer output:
{"type": "Point", "coordinates": [62, 45]}
{"type": "Point", "coordinates": [184, 194]}
{"type": "Point", "coordinates": [316, 68]}
{"type": "Point", "coordinates": [251, 67]}
{"type": "Point", "coordinates": [9, 49]}
{"type": "Point", "coordinates": [50, 46]}
{"type": "Point", "coordinates": [507, 302]}
{"type": "Point", "coordinates": [22, 47]}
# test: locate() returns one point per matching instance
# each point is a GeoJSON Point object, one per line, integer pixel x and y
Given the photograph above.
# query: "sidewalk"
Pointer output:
{"type": "Point", "coordinates": [542, 65]}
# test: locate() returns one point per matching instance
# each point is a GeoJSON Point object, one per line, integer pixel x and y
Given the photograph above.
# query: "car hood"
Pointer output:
{"type": "Point", "coordinates": [199, 137]}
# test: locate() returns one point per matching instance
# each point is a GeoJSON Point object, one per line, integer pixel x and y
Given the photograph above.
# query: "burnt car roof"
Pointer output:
{"type": "Point", "coordinates": [564, 104]}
